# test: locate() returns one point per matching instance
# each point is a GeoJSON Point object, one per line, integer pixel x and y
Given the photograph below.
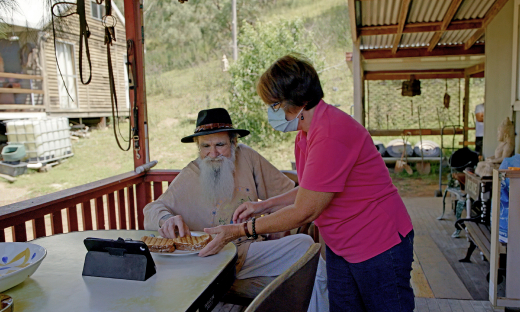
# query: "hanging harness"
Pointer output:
{"type": "Point", "coordinates": [110, 37]}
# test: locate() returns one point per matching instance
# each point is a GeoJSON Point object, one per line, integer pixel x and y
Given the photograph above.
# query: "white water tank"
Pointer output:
{"type": "Point", "coordinates": [44, 139]}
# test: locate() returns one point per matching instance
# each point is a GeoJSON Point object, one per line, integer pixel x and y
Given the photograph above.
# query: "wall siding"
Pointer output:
{"type": "Point", "coordinates": [93, 98]}
{"type": "Point", "coordinates": [499, 45]}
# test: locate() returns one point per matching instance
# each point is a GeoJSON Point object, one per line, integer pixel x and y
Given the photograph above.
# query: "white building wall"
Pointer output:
{"type": "Point", "coordinates": [499, 63]}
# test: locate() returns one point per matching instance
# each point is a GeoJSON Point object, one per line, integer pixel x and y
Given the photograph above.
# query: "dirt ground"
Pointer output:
{"type": "Point", "coordinates": [415, 186]}
{"type": "Point", "coordinates": [11, 194]}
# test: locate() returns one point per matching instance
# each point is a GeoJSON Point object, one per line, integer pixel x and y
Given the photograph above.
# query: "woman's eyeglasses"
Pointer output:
{"type": "Point", "coordinates": [276, 106]}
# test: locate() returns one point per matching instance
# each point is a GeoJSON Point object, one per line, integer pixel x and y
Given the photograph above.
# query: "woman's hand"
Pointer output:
{"type": "Point", "coordinates": [246, 211]}
{"type": "Point", "coordinates": [225, 234]}
{"type": "Point", "coordinates": [167, 230]}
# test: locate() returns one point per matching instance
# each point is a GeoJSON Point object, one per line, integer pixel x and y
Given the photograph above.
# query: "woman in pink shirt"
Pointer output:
{"type": "Point", "coordinates": [345, 188]}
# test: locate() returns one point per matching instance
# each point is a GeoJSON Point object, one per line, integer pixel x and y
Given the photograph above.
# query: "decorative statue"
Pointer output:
{"type": "Point", "coordinates": [506, 147]}
{"type": "Point", "coordinates": [225, 63]}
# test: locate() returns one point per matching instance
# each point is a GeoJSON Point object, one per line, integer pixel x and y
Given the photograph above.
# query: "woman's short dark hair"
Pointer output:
{"type": "Point", "coordinates": [292, 80]}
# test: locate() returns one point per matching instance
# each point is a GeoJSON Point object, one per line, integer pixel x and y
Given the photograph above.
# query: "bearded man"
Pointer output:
{"type": "Point", "coordinates": [207, 192]}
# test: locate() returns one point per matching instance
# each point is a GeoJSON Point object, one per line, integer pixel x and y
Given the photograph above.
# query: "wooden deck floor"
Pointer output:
{"type": "Point", "coordinates": [438, 253]}
{"type": "Point", "coordinates": [441, 283]}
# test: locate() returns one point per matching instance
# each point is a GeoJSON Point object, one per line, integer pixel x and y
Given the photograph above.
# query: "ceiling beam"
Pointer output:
{"type": "Point", "coordinates": [454, 6]}
{"type": "Point", "coordinates": [352, 17]}
{"type": "Point", "coordinates": [418, 74]}
{"type": "Point", "coordinates": [475, 69]}
{"type": "Point", "coordinates": [421, 52]}
{"type": "Point", "coordinates": [419, 27]}
{"type": "Point", "coordinates": [403, 14]}
{"type": "Point", "coordinates": [491, 13]}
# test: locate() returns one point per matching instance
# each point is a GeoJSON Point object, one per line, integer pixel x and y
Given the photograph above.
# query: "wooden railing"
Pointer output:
{"type": "Point", "coordinates": [113, 203]}
{"type": "Point", "coordinates": [13, 106]}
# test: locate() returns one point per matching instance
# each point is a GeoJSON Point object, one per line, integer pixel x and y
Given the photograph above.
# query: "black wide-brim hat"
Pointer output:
{"type": "Point", "coordinates": [213, 121]}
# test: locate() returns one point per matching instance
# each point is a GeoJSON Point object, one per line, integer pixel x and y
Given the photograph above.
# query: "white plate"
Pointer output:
{"type": "Point", "coordinates": [181, 252]}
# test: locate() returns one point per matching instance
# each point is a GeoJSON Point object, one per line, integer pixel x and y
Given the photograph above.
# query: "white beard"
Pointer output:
{"type": "Point", "coordinates": [217, 178]}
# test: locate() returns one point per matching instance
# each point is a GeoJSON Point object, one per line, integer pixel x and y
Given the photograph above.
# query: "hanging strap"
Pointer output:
{"type": "Point", "coordinates": [110, 37]}
{"type": "Point", "coordinates": [84, 34]}
{"type": "Point", "coordinates": [130, 51]}
{"type": "Point", "coordinates": [54, 39]}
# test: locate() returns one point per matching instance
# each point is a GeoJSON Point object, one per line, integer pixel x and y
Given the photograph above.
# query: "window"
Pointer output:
{"type": "Point", "coordinates": [65, 54]}
{"type": "Point", "coordinates": [98, 10]}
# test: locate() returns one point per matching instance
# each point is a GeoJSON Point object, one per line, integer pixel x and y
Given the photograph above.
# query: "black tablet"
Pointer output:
{"type": "Point", "coordinates": [121, 248]}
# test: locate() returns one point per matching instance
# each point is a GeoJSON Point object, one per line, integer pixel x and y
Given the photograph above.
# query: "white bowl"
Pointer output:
{"type": "Point", "coordinates": [18, 261]}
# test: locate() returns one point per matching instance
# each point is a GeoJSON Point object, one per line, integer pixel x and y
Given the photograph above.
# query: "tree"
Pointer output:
{"type": "Point", "coordinates": [260, 46]}
{"type": "Point", "coordinates": [183, 35]}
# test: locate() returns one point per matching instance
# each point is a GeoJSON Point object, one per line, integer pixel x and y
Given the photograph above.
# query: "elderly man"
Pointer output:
{"type": "Point", "coordinates": [209, 189]}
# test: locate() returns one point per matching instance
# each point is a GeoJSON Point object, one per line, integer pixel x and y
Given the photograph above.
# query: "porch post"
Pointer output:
{"type": "Point", "coordinates": [465, 109]}
{"type": "Point", "coordinates": [359, 84]}
{"type": "Point", "coordinates": [135, 32]}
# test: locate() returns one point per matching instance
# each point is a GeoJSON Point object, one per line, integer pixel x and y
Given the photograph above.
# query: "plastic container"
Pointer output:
{"type": "Point", "coordinates": [429, 149]}
{"type": "Point", "coordinates": [380, 147]}
{"type": "Point", "coordinates": [44, 139]}
{"type": "Point", "coordinates": [395, 148]}
{"type": "Point", "coordinates": [13, 152]}
{"type": "Point", "coordinates": [13, 170]}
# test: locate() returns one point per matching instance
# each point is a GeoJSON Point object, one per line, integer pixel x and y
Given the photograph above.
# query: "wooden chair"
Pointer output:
{"type": "Point", "coordinates": [291, 290]}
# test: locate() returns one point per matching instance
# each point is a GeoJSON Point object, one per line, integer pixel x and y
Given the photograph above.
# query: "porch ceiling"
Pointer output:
{"type": "Point", "coordinates": [422, 63]}
{"type": "Point", "coordinates": [421, 34]}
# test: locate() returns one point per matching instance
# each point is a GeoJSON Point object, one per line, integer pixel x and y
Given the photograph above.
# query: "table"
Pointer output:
{"type": "Point", "coordinates": [182, 283]}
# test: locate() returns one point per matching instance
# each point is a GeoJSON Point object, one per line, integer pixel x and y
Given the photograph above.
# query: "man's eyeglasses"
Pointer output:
{"type": "Point", "coordinates": [276, 106]}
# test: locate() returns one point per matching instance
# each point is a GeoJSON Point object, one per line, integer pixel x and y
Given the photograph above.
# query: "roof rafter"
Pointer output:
{"type": "Point", "coordinates": [454, 6]}
{"type": "Point", "coordinates": [403, 14]}
{"type": "Point", "coordinates": [419, 27]}
{"type": "Point", "coordinates": [491, 13]}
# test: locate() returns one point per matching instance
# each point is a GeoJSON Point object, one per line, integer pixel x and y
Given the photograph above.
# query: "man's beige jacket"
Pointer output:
{"type": "Point", "coordinates": [255, 178]}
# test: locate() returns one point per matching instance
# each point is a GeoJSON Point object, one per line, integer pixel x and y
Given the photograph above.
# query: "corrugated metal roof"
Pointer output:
{"type": "Point", "coordinates": [386, 12]}
{"type": "Point", "coordinates": [380, 12]}
{"type": "Point", "coordinates": [416, 39]}
{"type": "Point", "coordinates": [470, 9]}
{"type": "Point", "coordinates": [456, 36]}
{"type": "Point", "coordinates": [427, 10]}
{"type": "Point", "coordinates": [377, 42]}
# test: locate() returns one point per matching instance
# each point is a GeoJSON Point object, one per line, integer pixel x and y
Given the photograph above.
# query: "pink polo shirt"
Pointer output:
{"type": "Point", "coordinates": [366, 215]}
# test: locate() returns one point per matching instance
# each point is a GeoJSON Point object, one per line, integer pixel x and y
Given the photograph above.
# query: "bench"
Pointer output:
{"type": "Point", "coordinates": [479, 236]}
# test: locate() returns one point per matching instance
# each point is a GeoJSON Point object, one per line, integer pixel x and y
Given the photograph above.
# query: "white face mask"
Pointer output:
{"type": "Point", "coordinates": [278, 122]}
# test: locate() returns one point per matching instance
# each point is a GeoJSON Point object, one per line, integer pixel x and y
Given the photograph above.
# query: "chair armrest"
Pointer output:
{"type": "Point", "coordinates": [291, 174]}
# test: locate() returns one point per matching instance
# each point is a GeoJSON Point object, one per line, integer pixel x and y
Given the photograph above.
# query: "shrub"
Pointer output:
{"type": "Point", "coordinates": [260, 46]}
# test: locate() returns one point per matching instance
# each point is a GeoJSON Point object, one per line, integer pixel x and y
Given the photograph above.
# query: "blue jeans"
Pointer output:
{"type": "Point", "coordinates": [381, 283]}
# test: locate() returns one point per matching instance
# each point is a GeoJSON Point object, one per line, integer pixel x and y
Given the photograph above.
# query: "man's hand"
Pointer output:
{"type": "Point", "coordinates": [246, 211]}
{"type": "Point", "coordinates": [167, 230]}
{"type": "Point", "coordinates": [225, 234]}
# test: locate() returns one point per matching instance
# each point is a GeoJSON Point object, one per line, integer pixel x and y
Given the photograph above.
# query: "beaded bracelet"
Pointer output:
{"type": "Point", "coordinates": [255, 236]}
